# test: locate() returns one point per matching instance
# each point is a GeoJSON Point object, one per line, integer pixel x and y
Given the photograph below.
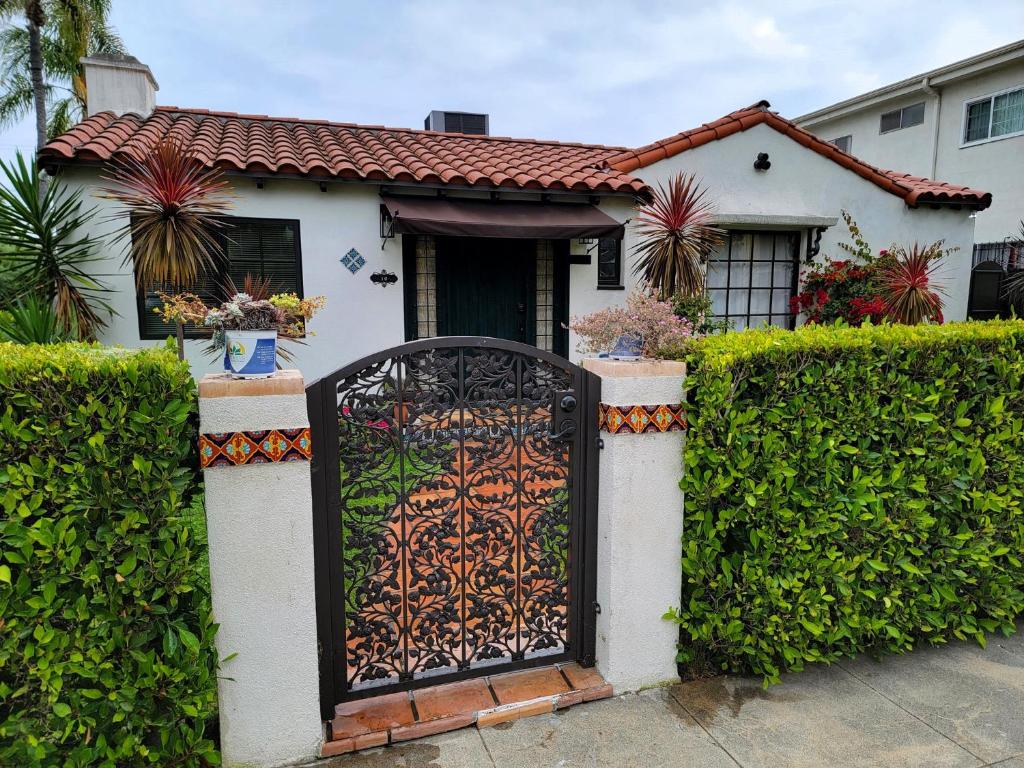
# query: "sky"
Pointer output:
{"type": "Point", "coordinates": [619, 73]}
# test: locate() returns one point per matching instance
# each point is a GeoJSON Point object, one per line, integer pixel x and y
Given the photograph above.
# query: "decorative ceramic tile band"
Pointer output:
{"type": "Point", "coordinates": [263, 447]}
{"type": "Point", "coordinates": [640, 418]}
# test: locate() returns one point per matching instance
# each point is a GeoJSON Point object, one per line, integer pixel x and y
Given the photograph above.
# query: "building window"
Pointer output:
{"type": "Point", "coordinates": [999, 115]}
{"type": "Point", "coordinates": [609, 263]}
{"type": "Point", "coordinates": [268, 249]}
{"type": "Point", "coordinates": [903, 118]}
{"type": "Point", "coordinates": [545, 296]}
{"type": "Point", "coordinates": [752, 277]}
{"type": "Point", "coordinates": [843, 142]}
{"type": "Point", "coordinates": [426, 287]}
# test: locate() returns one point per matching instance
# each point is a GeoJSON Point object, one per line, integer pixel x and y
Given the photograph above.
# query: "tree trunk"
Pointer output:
{"type": "Point", "coordinates": [180, 333]}
{"type": "Point", "coordinates": [36, 19]}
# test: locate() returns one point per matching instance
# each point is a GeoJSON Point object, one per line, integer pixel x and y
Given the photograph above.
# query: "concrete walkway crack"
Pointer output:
{"type": "Point", "coordinates": [494, 763]}
{"type": "Point", "coordinates": [866, 684]}
{"type": "Point", "coordinates": [720, 745]}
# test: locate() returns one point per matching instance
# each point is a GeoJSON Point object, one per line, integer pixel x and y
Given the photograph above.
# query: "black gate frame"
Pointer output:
{"type": "Point", "coordinates": [321, 403]}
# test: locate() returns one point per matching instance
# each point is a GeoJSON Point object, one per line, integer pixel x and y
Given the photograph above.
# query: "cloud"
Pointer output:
{"type": "Point", "coordinates": [608, 71]}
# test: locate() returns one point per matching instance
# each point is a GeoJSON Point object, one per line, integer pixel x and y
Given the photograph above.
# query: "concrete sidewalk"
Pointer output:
{"type": "Point", "coordinates": [958, 705]}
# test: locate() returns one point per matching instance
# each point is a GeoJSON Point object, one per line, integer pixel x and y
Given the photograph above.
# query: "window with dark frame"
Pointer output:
{"type": "Point", "coordinates": [269, 249]}
{"type": "Point", "coordinates": [609, 263]}
{"type": "Point", "coordinates": [843, 142]}
{"type": "Point", "coordinates": [994, 116]}
{"type": "Point", "coordinates": [752, 277]}
{"type": "Point", "coordinates": [905, 117]}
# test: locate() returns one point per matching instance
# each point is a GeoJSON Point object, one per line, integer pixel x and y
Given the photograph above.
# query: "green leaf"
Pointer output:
{"type": "Point", "coordinates": [5, 573]}
{"type": "Point", "coordinates": [189, 640]}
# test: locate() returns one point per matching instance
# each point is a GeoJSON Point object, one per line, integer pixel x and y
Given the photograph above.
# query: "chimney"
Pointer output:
{"type": "Point", "coordinates": [118, 84]}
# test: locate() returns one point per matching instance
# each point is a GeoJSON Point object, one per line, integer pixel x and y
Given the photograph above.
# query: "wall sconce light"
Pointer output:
{"type": "Point", "coordinates": [323, 186]}
{"type": "Point", "coordinates": [762, 163]}
{"type": "Point", "coordinates": [384, 278]}
{"type": "Point", "coordinates": [260, 183]}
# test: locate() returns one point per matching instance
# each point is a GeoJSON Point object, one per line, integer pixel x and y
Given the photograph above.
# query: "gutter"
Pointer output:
{"type": "Point", "coordinates": [926, 86]}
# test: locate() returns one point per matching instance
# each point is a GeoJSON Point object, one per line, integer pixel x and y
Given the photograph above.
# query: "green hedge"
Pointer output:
{"type": "Point", "coordinates": [850, 489]}
{"type": "Point", "coordinates": [106, 645]}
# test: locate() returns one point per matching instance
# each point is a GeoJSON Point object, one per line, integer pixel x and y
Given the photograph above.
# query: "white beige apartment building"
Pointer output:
{"type": "Point", "coordinates": [963, 122]}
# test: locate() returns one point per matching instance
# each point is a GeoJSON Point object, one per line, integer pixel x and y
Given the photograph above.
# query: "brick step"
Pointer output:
{"type": "Point", "coordinates": [482, 701]}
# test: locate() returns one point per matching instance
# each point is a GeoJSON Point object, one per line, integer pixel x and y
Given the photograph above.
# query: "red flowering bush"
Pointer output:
{"type": "Point", "coordinates": [841, 290]}
{"type": "Point", "coordinates": [896, 285]}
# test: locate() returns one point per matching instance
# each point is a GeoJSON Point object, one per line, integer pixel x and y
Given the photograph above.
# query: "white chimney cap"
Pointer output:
{"type": "Point", "coordinates": [119, 84]}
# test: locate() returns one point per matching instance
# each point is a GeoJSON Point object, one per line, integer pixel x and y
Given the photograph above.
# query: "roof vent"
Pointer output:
{"type": "Point", "coordinates": [457, 122]}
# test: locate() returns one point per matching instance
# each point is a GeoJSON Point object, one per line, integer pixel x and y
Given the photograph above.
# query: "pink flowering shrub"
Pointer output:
{"type": "Point", "coordinates": [653, 322]}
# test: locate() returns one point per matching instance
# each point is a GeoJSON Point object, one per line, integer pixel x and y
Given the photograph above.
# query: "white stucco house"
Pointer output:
{"type": "Point", "coordinates": [416, 233]}
{"type": "Point", "coordinates": [962, 121]}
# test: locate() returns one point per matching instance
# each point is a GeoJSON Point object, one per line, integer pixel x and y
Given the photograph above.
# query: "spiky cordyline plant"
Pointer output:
{"type": "Point", "coordinates": [676, 237]}
{"type": "Point", "coordinates": [170, 205]}
{"type": "Point", "coordinates": [907, 284]}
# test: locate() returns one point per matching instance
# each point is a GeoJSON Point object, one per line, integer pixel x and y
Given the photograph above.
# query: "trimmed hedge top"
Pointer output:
{"type": "Point", "coordinates": [106, 652]}
{"type": "Point", "coordinates": [851, 489]}
{"type": "Point", "coordinates": [721, 351]}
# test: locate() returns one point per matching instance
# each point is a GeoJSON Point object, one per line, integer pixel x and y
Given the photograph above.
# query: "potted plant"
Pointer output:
{"type": "Point", "coordinates": [247, 328]}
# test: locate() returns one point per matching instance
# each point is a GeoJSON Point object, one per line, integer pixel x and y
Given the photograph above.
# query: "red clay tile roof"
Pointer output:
{"type": "Point", "coordinates": [266, 145]}
{"type": "Point", "coordinates": [915, 190]}
{"type": "Point", "coordinates": [261, 144]}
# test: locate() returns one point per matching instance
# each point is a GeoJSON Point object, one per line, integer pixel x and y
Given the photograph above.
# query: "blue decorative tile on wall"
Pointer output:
{"type": "Point", "coordinates": [353, 260]}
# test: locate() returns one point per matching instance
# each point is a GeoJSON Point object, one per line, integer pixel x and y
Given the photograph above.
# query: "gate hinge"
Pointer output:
{"type": "Point", "coordinates": [600, 443]}
{"type": "Point", "coordinates": [597, 607]}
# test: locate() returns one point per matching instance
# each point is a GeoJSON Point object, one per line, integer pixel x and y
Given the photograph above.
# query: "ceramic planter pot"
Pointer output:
{"type": "Point", "coordinates": [251, 354]}
{"type": "Point", "coordinates": [627, 347]}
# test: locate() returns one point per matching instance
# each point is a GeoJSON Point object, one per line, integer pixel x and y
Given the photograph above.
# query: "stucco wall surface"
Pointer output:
{"type": "Point", "coordinates": [259, 526]}
{"type": "Point", "coordinates": [640, 526]}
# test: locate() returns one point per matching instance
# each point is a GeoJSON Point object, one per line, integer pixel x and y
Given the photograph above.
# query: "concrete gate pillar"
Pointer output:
{"type": "Point", "coordinates": [255, 448]}
{"type": "Point", "coordinates": [640, 520]}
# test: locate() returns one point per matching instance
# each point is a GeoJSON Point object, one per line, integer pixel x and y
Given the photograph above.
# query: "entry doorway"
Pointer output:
{"type": "Point", "coordinates": [506, 288]}
{"type": "Point", "coordinates": [487, 287]}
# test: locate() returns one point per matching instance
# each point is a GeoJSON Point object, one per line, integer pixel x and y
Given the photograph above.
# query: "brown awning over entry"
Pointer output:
{"type": "Point", "coordinates": [484, 218]}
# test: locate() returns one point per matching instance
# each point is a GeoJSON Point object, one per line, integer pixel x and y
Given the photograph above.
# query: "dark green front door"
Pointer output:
{"type": "Point", "coordinates": [487, 287]}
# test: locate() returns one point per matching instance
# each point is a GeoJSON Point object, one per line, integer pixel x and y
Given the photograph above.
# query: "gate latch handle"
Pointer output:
{"type": "Point", "coordinates": [565, 433]}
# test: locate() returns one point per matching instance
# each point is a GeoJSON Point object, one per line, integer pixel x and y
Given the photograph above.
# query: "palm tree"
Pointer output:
{"type": "Point", "coordinates": [41, 67]}
{"type": "Point", "coordinates": [170, 209]}
{"type": "Point", "coordinates": [676, 238]}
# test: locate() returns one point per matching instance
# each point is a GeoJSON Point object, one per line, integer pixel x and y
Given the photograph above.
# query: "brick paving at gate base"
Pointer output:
{"type": "Point", "coordinates": [482, 701]}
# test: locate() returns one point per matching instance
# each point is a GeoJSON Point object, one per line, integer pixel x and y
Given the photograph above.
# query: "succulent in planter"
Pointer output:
{"type": "Point", "coordinates": [247, 328]}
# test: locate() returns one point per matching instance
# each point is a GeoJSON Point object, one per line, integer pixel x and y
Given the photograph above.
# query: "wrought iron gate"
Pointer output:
{"type": "Point", "coordinates": [455, 491]}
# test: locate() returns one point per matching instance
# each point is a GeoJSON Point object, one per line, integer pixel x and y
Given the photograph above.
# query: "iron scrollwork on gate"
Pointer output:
{"type": "Point", "coordinates": [455, 516]}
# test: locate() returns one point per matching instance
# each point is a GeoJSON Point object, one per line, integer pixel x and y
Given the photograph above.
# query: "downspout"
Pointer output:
{"type": "Point", "coordinates": [926, 86]}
